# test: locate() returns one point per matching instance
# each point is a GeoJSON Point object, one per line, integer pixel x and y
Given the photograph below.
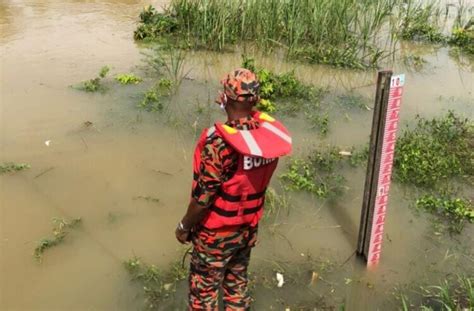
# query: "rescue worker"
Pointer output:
{"type": "Point", "coordinates": [233, 165]}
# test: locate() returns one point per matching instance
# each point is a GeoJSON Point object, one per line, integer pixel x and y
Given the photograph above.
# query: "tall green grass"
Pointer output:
{"type": "Point", "coordinates": [341, 33]}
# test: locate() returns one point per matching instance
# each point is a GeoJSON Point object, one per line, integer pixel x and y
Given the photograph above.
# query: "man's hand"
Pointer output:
{"type": "Point", "coordinates": [182, 235]}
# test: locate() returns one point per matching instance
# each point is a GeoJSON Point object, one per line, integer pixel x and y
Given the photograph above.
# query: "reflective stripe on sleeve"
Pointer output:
{"type": "Point", "coordinates": [251, 143]}
{"type": "Point", "coordinates": [277, 131]}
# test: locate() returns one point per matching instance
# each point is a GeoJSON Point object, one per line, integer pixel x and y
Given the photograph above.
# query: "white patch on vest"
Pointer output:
{"type": "Point", "coordinates": [251, 143]}
{"type": "Point", "coordinates": [210, 131]}
{"type": "Point", "coordinates": [255, 162]}
{"type": "Point", "coordinates": [277, 131]}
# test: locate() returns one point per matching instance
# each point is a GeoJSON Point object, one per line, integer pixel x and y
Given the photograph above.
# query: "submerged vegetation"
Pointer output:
{"type": "Point", "coordinates": [94, 85]}
{"type": "Point", "coordinates": [10, 167]}
{"type": "Point", "coordinates": [431, 156]}
{"type": "Point", "coordinates": [318, 173]}
{"type": "Point", "coordinates": [285, 94]}
{"type": "Point", "coordinates": [157, 285]}
{"type": "Point", "coordinates": [60, 231]}
{"type": "Point", "coordinates": [435, 151]}
{"type": "Point", "coordinates": [451, 294]}
{"type": "Point", "coordinates": [420, 21]}
{"type": "Point", "coordinates": [154, 97]}
{"type": "Point", "coordinates": [455, 211]}
{"type": "Point", "coordinates": [128, 78]}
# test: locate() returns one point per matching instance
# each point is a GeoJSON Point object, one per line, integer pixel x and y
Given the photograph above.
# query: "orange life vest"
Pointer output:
{"type": "Point", "coordinates": [240, 199]}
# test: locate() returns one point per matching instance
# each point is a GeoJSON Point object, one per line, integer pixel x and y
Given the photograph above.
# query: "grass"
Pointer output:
{"type": "Point", "coordinates": [60, 231]}
{"type": "Point", "coordinates": [276, 204]}
{"type": "Point", "coordinates": [169, 61]}
{"type": "Point", "coordinates": [433, 155]}
{"type": "Point", "coordinates": [318, 173]}
{"type": "Point", "coordinates": [340, 33]}
{"type": "Point", "coordinates": [128, 78]}
{"type": "Point", "coordinates": [453, 210]}
{"type": "Point", "coordinates": [157, 285]}
{"type": "Point", "coordinates": [153, 98]}
{"type": "Point", "coordinates": [285, 94]}
{"type": "Point", "coordinates": [450, 295]}
{"type": "Point", "coordinates": [302, 175]}
{"type": "Point", "coordinates": [420, 21]}
{"type": "Point", "coordinates": [95, 84]}
{"type": "Point", "coordinates": [10, 167]}
{"type": "Point", "coordinates": [435, 151]}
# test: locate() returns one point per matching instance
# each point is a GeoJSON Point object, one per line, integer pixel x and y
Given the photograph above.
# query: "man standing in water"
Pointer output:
{"type": "Point", "coordinates": [233, 165]}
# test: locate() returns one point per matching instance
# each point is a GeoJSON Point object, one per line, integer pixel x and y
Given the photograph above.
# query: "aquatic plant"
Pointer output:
{"type": "Point", "coordinates": [153, 98]}
{"type": "Point", "coordinates": [435, 151]}
{"type": "Point", "coordinates": [60, 231]}
{"type": "Point", "coordinates": [275, 204]}
{"type": "Point", "coordinates": [316, 173]}
{"type": "Point", "coordinates": [450, 294]}
{"type": "Point", "coordinates": [340, 33]}
{"type": "Point", "coordinates": [286, 94]}
{"type": "Point", "coordinates": [169, 61]}
{"type": "Point", "coordinates": [153, 24]}
{"type": "Point", "coordinates": [455, 211]}
{"type": "Point", "coordinates": [420, 21]}
{"type": "Point", "coordinates": [157, 285]}
{"type": "Point", "coordinates": [94, 85]}
{"type": "Point", "coordinates": [9, 167]}
{"type": "Point", "coordinates": [414, 62]}
{"type": "Point", "coordinates": [147, 198]}
{"type": "Point", "coordinates": [463, 38]}
{"type": "Point", "coordinates": [353, 101]}
{"type": "Point", "coordinates": [128, 78]}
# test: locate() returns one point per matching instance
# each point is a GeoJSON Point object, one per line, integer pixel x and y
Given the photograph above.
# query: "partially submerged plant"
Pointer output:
{"type": "Point", "coordinates": [316, 173]}
{"type": "Point", "coordinates": [169, 61]}
{"type": "Point", "coordinates": [157, 285]}
{"type": "Point", "coordinates": [286, 94]}
{"type": "Point", "coordinates": [9, 167]}
{"type": "Point", "coordinates": [331, 32]}
{"type": "Point", "coordinates": [456, 211]}
{"type": "Point", "coordinates": [60, 231]}
{"type": "Point", "coordinates": [94, 85]}
{"type": "Point", "coordinates": [153, 98]}
{"type": "Point", "coordinates": [128, 78]}
{"type": "Point", "coordinates": [420, 21]}
{"type": "Point", "coordinates": [147, 198]}
{"type": "Point", "coordinates": [275, 204]}
{"type": "Point", "coordinates": [435, 151]}
{"type": "Point", "coordinates": [450, 294]}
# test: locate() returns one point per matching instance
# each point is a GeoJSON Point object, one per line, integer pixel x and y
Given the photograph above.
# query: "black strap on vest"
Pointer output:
{"type": "Point", "coordinates": [238, 198]}
{"type": "Point", "coordinates": [246, 211]}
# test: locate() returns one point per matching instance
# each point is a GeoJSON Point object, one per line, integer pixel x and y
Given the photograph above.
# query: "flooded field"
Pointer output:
{"type": "Point", "coordinates": [127, 172]}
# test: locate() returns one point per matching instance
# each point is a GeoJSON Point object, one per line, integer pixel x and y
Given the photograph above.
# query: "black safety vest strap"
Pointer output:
{"type": "Point", "coordinates": [238, 198]}
{"type": "Point", "coordinates": [225, 213]}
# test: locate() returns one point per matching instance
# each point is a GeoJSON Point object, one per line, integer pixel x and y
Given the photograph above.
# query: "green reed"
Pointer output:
{"type": "Point", "coordinates": [341, 33]}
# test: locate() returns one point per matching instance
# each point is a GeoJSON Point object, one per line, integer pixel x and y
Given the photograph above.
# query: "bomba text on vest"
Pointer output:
{"type": "Point", "coordinates": [255, 162]}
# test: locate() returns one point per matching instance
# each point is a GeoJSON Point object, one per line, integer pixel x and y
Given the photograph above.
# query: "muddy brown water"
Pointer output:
{"type": "Point", "coordinates": [96, 172]}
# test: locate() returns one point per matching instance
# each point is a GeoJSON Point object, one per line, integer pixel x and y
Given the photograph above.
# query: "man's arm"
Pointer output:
{"type": "Point", "coordinates": [194, 215]}
{"type": "Point", "coordinates": [214, 159]}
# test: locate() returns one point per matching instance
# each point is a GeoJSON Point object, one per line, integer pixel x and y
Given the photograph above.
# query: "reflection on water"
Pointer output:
{"type": "Point", "coordinates": [47, 46]}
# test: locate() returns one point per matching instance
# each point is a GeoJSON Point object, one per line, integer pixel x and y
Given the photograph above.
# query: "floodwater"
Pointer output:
{"type": "Point", "coordinates": [97, 172]}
